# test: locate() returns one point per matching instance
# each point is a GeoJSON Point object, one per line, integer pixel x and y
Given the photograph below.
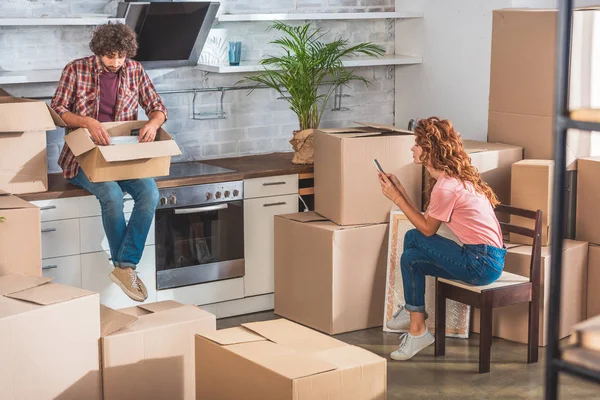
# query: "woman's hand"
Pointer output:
{"type": "Point", "coordinates": [388, 188]}
{"type": "Point", "coordinates": [394, 179]}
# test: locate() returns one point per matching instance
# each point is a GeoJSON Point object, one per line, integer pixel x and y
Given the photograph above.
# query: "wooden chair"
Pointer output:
{"type": "Point", "coordinates": [507, 290]}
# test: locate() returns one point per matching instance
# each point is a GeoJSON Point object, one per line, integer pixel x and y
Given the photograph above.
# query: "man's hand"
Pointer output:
{"type": "Point", "coordinates": [388, 188]}
{"type": "Point", "coordinates": [148, 132]}
{"type": "Point", "coordinates": [97, 131]}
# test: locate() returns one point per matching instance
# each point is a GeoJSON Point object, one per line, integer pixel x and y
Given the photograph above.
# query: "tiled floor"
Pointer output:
{"type": "Point", "coordinates": [455, 375]}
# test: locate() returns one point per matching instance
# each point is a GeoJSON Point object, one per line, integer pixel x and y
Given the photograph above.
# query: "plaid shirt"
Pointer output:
{"type": "Point", "coordinates": [78, 91]}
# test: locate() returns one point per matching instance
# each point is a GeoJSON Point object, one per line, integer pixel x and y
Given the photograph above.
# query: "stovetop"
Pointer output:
{"type": "Point", "coordinates": [190, 169]}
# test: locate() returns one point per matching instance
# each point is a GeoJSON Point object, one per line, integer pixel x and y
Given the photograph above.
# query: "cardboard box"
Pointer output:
{"type": "Point", "coordinates": [280, 360]}
{"type": "Point", "coordinates": [346, 184]}
{"type": "Point", "coordinates": [588, 194]}
{"type": "Point", "coordinates": [48, 340]}
{"type": "Point", "coordinates": [588, 335]}
{"type": "Point", "coordinates": [593, 282]}
{"type": "Point", "coordinates": [23, 160]}
{"type": "Point", "coordinates": [20, 237]}
{"type": "Point", "coordinates": [123, 161]}
{"type": "Point", "coordinates": [511, 322]}
{"type": "Point", "coordinates": [148, 350]}
{"type": "Point", "coordinates": [494, 162]}
{"type": "Point", "coordinates": [522, 80]}
{"type": "Point", "coordinates": [531, 189]}
{"type": "Point", "coordinates": [329, 277]}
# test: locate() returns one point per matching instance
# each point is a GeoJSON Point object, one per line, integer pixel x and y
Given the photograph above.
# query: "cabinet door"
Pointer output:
{"type": "Point", "coordinates": [60, 238]}
{"type": "Point", "coordinates": [271, 186]}
{"type": "Point", "coordinates": [258, 240]}
{"type": "Point", "coordinates": [95, 268]}
{"type": "Point", "coordinates": [57, 209]}
{"type": "Point", "coordinates": [64, 270]}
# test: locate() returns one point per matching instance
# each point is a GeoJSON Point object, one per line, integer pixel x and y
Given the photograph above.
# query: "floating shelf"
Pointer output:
{"type": "Point", "coordinates": [59, 21]}
{"type": "Point", "coordinates": [253, 66]}
{"type": "Point", "coordinates": [586, 115]}
{"type": "Point", "coordinates": [37, 76]}
{"type": "Point", "coordinates": [317, 16]}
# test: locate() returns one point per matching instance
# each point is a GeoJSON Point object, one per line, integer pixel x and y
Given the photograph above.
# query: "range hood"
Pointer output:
{"type": "Point", "coordinates": [170, 33]}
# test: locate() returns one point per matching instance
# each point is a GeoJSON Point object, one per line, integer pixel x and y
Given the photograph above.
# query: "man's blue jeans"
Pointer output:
{"type": "Point", "coordinates": [440, 257]}
{"type": "Point", "coordinates": [126, 240]}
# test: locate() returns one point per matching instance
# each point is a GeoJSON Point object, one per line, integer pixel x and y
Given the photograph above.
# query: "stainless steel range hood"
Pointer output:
{"type": "Point", "coordinates": [170, 33]}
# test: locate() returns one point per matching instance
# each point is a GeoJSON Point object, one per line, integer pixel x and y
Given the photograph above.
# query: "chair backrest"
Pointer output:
{"type": "Point", "coordinates": [535, 233]}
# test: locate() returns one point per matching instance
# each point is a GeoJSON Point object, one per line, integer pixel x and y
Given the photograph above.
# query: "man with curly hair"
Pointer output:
{"type": "Point", "coordinates": [109, 86]}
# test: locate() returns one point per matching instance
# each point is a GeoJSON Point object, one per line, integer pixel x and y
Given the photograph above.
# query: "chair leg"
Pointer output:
{"type": "Point", "coordinates": [485, 332]}
{"type": "Point", "coordinates": [534, 330]}
{"type": "Point", "coordinates": [440, 320]}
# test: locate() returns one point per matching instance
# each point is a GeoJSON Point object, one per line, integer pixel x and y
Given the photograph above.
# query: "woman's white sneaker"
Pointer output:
{"type": "Point", "coordinates": [411, 345]}
{"type": "Point", "coordinates": [400, 320]}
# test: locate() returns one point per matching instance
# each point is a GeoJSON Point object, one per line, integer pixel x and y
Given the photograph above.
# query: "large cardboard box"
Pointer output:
{"type": "Point", "coordinates": [123, 161]}
{"type": "Point", "coordinates": [511, 322]}
{"type": "Point", "coordinates": [347, 190]}
{"type": "Point", "coordinates": [494, 162]}
{"type": "Point", "coordinates": [148, 350]}
{"type": "Point", "coordinates": [522, 80]}
{"type": "Point", "coordinates": [49, 337]}
{"type": "Point", "coordinates": [593, 282]}
{"type": "Point", "coordinates": [280, 360]}
{"type": "Point", "coordinates": [588, 194]}
{"type": "Point", "coordinates": [23, 160]}
{"type": "Point", "coordinates": [531, 189]}
{"type": "Point", "coordinates": [20, 237]}
{"type": "Point", "coordinates": [329, 277]}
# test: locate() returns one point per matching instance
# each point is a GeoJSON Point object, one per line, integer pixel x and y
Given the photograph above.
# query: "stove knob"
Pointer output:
{"type": "Point", "coordinates": [218, 195]}
{"type": "Point", "coordinates": [236, 193]}
{"type": "Point", "coordinates": [209, 196]}
{"type": "Point", "coordinates": [163, 201]}
{"type": "Point", "coordinates": [227, 193]}
{"type": "Point", "coordinates": [172, 199]}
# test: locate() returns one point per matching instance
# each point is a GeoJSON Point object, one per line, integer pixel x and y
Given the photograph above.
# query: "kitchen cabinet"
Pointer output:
{"type": "Point", "coordinates": [93, 238]}
{"type": "Point", "coordinates": [60, 238]}
{"type": "Point", "coordinates": [63, 270]}
{"type": "Point", "coordinates": [95, 270]}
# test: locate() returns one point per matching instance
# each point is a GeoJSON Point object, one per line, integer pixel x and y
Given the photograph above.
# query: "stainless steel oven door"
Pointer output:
{"type": "Point", "coordinates": [199, 244]}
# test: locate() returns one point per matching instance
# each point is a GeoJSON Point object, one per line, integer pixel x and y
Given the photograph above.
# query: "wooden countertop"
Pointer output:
{"type": "Point", "coordinates": [247, 167]}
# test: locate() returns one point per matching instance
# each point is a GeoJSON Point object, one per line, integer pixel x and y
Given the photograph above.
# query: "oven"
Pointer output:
{"type": "Point", "coordinates": [199, 234]}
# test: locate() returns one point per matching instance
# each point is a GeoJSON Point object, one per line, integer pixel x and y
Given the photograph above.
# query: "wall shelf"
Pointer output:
{"type": "Point", "coordinates": [37, 76]}
{"type": "Point", "coordinates": [317, 16]}
{"type": "Point", "coordinates": [88, 20]}
{"type": "Point", "coordinates": [253, 66]}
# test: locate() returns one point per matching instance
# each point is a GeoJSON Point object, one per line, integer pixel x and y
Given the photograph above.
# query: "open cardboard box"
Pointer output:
{"type": "Point", "coordinates": [20, 236]}
{"type": "Point", "coordinates": [346, 184]}
{"type": "Point", "coordinates": [124, 161]}
{"type": "Point", "coordinates": [48, 340]}
{"type": "Point", "coordinates": [148, 350]}
{"type": "Point", "coordinates": [281, 360]}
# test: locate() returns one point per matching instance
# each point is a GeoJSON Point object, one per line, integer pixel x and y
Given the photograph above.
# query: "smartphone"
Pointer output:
{"type": "Point", "coordinates": [378, 166]}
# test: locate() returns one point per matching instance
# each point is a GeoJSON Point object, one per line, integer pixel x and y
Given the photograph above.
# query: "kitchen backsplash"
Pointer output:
{"type": "Point", "coordinates": [255, 123]}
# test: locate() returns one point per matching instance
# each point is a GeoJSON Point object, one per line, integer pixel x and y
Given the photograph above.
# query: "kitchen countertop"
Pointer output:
{"type": "Point", "coordinates": [246, 167]}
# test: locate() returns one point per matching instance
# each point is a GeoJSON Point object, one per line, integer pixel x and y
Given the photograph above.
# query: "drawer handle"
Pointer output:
{"type": "Point", "coordinates": [49, 267]}
{"type": "Point", "coordinates": [46, 208]}
{"type": "Point", "coordinates": [48, 230]}
{"type": "Point", "coordinates": [274, 183]}
{"type": "Point", "coordinates": [281, 203]}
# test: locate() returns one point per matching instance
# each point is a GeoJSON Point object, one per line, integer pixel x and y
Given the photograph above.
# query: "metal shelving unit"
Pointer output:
{"type": "Point", "coordinates": [573, 361]}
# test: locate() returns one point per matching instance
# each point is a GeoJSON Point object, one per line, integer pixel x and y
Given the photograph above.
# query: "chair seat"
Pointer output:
{"type": "Point", "coordinates": [506, 279]}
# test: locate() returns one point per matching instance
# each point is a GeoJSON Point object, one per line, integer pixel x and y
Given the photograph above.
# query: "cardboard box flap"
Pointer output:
{"type": "Point", "coordinates": [16, 283]}
{"type": "Point", "coordinates": [58, 121]}
{"type": "Point", "coordinates": [385, 128]}
{"type": "Point", "coordinates": [80, 141]}
{"type": "Point", "coordinates": [281, 360]}
{"type": "Point", "coordinates": [10, 307]}
{"type": "Point", "coordinates": [310, 216]}
{"type": "Point", "coordinates": [591, 325]}
{"type": "Point", "coordinates": [160, 306]}
{"type": "Point", "coordinates": [21, 115]}
{"type": "Point", "coordinates": [49, 294]}
{"type": "Point", "coordinates": [348, 357]}
{"type": "Point", "coordinates": [343, 130]}
{"type": "Point", "coordinates": [226, 337]}
{"type": "Point", "coordinates": [174, 316]}
{"type": "Point", "coordinates": [139, 151]}
{"type": "Point", "coordinates": [113, 320]}
{"type": "Point", "coordinates": [9, 202]}
{"type": "Point", "coordinates": [294, 336]}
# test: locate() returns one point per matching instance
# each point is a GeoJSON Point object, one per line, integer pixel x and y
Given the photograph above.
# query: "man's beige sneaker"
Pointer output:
{"type": "Point", "coordinates": [130, 283]}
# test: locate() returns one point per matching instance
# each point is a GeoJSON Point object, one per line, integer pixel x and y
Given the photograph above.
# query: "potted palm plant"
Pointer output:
{"type": "Point", "coordinates": [307, 74]}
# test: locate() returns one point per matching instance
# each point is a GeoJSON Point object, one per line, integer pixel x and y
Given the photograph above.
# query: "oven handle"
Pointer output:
{"type": "Point", "coordinates": [183, 211]}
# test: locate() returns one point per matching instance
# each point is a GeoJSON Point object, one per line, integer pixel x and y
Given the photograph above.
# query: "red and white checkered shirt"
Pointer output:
{"type": "Point", "coordinates": [78, 91]}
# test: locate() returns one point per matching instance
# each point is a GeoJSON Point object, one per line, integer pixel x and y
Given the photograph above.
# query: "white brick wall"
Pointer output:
{"type": "Point", "coordinates": [255, 123]}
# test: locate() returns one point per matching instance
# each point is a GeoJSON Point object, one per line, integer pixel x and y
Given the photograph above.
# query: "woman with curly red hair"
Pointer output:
{"type": "Point", "coordinates": [465, 203]}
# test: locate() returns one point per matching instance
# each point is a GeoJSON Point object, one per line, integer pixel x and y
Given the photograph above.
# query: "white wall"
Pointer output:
{"type": "Point", "coordinates": [454, 39]}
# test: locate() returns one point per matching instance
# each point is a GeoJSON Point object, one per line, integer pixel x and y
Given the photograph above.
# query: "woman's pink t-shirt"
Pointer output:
{"type": "Point", "coordinates": [468, 214]}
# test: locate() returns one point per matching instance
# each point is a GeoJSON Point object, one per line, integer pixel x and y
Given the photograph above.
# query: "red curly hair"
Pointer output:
{"type": "Point", "coordinates": [443, 151]}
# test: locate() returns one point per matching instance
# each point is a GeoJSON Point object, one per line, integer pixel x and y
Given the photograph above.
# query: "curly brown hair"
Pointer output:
{"type": "Point", "coordinates": [443, 151]}
{"type": "Point", "coordinates": [114, 38]}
